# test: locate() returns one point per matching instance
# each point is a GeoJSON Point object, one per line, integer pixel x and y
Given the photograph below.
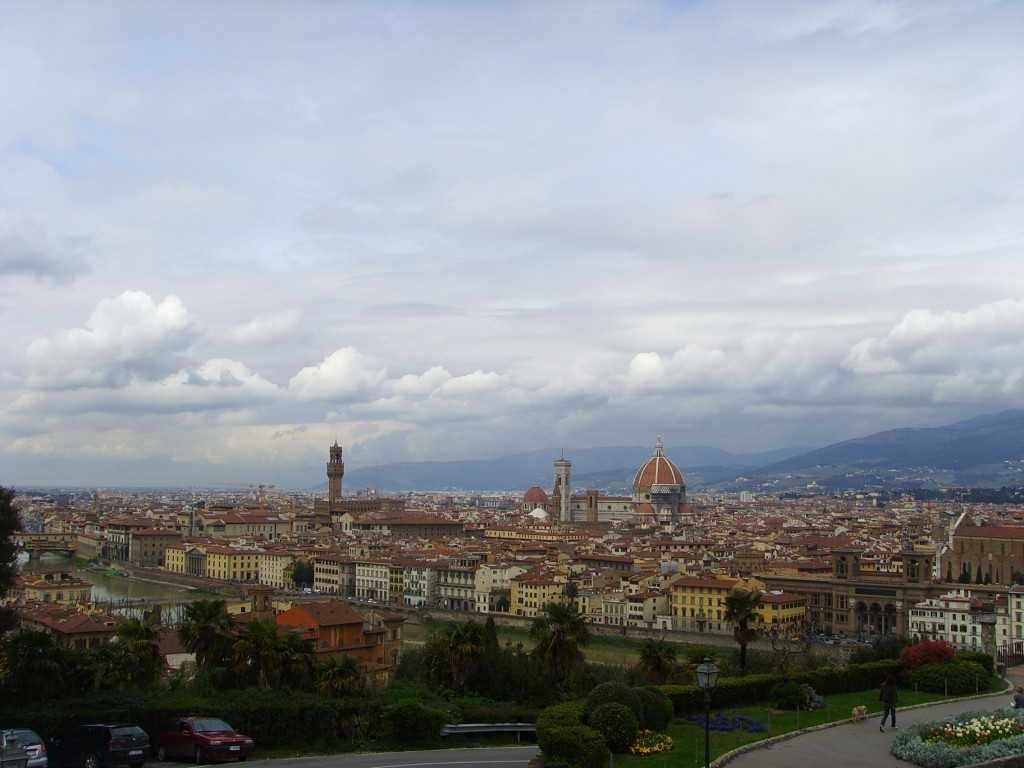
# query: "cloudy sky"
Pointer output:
{"type": "Point", "coordinates": [233, 232]}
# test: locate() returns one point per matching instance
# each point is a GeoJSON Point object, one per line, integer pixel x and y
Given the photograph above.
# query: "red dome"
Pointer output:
{"type": "Point", "coordinates": [659, 470]}
{"type": "Point", "coordinates": [535, 495]}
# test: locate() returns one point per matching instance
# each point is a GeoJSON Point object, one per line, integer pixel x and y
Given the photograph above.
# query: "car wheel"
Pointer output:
{"type": "Point", "coordinates": [161, 753]}
{"type": "Point", "coordinates": [200, 756]}
{"type": "Point", "coordinates": [92, 760]}
{"type": "Point", "coordinates": [243, 758]}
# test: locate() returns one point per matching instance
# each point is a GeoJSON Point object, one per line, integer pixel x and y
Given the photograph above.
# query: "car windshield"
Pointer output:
{"type": "Point", "coordinates": [25, 738]}
{"type": "Point", "coordinates": [211, 724]}
{"type": "Point", "coordinates": [126, 730]}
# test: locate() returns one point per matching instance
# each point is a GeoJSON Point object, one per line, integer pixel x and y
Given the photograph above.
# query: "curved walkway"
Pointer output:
{"type": "Point", "coordinates": [856, 745]}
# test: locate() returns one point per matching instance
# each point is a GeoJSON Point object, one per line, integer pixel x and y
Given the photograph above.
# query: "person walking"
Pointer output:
{"type": "Point", "coordinates": [1018, 698]}
{"type": "Point", "coordinates": [888, 698]}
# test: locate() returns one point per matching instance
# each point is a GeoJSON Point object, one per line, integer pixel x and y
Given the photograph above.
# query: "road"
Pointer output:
{"type": "Point", "coordinates": [494, 757]}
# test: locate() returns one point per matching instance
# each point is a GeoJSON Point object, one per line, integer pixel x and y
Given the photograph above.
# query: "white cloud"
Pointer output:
{"type": "Point", "coordinates": [343, 375]}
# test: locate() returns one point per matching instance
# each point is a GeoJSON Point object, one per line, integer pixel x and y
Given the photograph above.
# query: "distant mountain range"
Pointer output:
{"type": "Point", "coordinates": [986, 451]}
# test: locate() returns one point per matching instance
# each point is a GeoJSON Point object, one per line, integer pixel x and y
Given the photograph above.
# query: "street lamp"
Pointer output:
{"type": "Point", "coordinates": [707, 677]}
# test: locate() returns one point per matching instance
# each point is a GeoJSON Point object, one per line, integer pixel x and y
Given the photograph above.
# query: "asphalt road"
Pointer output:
{"type": "Point", "coordinates": [493, 757]}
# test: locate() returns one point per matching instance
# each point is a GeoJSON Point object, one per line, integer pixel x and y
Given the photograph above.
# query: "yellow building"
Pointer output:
{"type": "Point", "coordinates": [782, 611]}
{"type": "Point", "coordinates": [230, 564]}
{"type": "Point", "coordinates": [534, 589]}
{"type": "Point", "coordinates": [698, 604]}
{"type": "Point", "coordinates": [57, 588]}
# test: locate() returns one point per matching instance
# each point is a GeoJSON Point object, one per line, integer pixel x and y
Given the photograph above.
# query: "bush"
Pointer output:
{"type": "Point", "coordinates": [788, 696]}
{"type": "Point", "coordinates": [579, 745]}
{"type": "Point", "coordinates": [910, 745]}
{"type": "Point", "coordinates": [955, 677]}
{"type": "Point", "coordinates": [985, 659]}
{"type": "Point", "coordinates": [410, 723]}
{"type": "Point", "coordinates": [564, 715]}
{"type": "Point", "coordinates": [926, 652]}
{"type": "Point", "coordinates": [657, 709]}
{"type": "Point", "coordinates": [618, 693]}
{"type": "Point", "coordinates": [617, 723]}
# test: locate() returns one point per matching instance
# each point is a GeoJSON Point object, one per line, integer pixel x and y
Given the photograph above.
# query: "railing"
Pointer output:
{"type": "Point", "coordinates": [517, 728]}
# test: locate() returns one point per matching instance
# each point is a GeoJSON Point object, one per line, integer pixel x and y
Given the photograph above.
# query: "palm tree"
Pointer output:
{"type": "Point", "coordinates": [258, 652]}
{"type": "Point", "coordinates": [206, 630]}
{"type": "Point", "coordinates": [340, 676]}
{"type": "Point", "coordinates": [741, 609]}
{"type": "Point", "coordinates": [34, 666]}
{"type": "Point", "coordinates": [298, 662]}
{"type": "Point", "coordinates": [141, 639]}
{"type": "Point", "coordinates": [455, 653]}
{"type": "Point", "coordinates": [657, 660]}
{"type": "Point", "coordinates": [559, 633]}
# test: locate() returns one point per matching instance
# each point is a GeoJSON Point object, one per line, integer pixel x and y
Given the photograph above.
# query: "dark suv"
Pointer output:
{"type": "Point", "coordinates": [201, 739]}
{"type": "Point", "coordinates": [99, 746]}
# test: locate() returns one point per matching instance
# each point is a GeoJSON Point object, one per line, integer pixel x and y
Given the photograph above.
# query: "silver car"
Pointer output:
{"type": "Point", "coordinates": [30, 742]}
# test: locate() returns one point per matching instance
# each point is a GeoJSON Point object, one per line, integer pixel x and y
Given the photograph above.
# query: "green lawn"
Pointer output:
{"type": "Point", "coordinates": [689, 737]}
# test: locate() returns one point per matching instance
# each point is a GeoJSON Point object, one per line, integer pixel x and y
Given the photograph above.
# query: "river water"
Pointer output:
{"type": "Point", "coordinates": [112, 591]}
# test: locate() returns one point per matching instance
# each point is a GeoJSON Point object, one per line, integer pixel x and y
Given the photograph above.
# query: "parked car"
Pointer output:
{"type": "Point", "coordinates": [99, 746]}
{"type": "Point", "coordinates": [202, 739]}
{"type": "Point", "coordinates": [30, 741]}
{"type": "Point", "coordinates": [12, 754]}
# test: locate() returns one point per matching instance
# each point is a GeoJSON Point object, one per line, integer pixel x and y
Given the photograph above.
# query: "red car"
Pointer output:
{"type": "Point", "coordinates": [202, 739]}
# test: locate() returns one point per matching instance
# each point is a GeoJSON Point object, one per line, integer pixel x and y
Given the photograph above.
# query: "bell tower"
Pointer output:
{"type": "Point", "coordinates": [562, 500]}
{"type": "Point", "coordinates": [335, 471]}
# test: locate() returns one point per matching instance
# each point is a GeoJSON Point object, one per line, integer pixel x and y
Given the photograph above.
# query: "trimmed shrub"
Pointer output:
{"type": "Point", "coordinates": [617, 723]}
{"type": "Point", "coordinates": [564, 715]}
{"type": "Point", "coordinates": [618, 693]}
{"type": "Point", "coordinates": [985, 659]}
{"type": "Point", "coordinates": [788, 696]}
{"type": "Point", "coordinates": [657, 709]}
{"type": "Point", "coordinates": [410, 723]}
{"type": "Point", "coordinates": [578, 745]}
{"type": "Point", "coordinates": [954, 677]}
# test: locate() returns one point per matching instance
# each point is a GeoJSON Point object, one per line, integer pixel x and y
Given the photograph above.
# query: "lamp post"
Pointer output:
{"type": "Point", "coordinates": [707, 677]}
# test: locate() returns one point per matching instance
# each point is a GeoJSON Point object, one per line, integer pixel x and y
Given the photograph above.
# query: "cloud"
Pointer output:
{"type": "Point", "coordinates": [265, 329]}
{"type": "Point", "coordinates": [344, 375]}
{"type": "Point", "coordinates": [128, 337]}
{"type": "Point", "coordinates": [27, 249]}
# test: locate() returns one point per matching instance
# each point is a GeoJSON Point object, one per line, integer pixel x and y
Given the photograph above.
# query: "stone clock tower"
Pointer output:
{"type": "Point", "coordinates": [335, 471]}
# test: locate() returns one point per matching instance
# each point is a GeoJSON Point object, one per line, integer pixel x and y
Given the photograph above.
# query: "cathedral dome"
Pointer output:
{"type": "Point", "coordinates": [658, 470]}
{"type": "Point", "coordinates": [535, 496]}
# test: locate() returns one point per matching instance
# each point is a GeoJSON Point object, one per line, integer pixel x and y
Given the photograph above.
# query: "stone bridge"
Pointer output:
{"type": "Point", "coordinates": [37, 543]}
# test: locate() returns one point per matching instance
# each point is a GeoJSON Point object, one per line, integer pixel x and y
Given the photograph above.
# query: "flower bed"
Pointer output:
{"type": "Point", "coordinates": [651, 743]}
{"type": "Point", "coordinates": [969, 738]}
{"type": "Point", "coordinates": [723, 721]}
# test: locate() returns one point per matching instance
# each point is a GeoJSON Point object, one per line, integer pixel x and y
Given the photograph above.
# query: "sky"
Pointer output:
{"type": "Point", "coordinates": [232, 233]}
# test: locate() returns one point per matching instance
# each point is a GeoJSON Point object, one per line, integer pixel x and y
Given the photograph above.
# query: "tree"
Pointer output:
{"type": "Point", "coordinates": [34, 666]}
{"type": "Point", "coordinates": [258, 652]}
{"type": "Point", "coordinates": [302, 574]}
{"type": "Point", "coordinates": [741, 609]}
{"type": "Point", "coordinates": [559, 633]}
{"type": "Point", "coordinates": [455, 653]}
{"type": "Point", "coordinates": [141, 640]}
{"type": "Point", "coordinates": [207, 630]}
{"type": "Point", "coordinates": [340, 676]}
{"type": "Point", "coordinates": [10, 523]}
{"type": "Point", "coordinates": [298, 662]}
{"type": "Point", "coordinates": [657, 660]}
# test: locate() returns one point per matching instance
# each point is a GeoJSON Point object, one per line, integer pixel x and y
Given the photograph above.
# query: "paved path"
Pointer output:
{"type": "Point", "coordinates": [856, 745]}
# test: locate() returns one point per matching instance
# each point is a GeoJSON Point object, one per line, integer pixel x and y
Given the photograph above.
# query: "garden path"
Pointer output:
{"type": "Point", "coordinates": [859, 745]}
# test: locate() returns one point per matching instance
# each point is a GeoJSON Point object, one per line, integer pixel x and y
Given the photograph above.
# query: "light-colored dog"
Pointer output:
{"type": "Point", "coordinates": [858, 714]}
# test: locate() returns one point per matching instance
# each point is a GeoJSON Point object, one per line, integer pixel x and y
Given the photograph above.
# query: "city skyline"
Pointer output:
{"type": "Point", "coordinates": [233, 234]}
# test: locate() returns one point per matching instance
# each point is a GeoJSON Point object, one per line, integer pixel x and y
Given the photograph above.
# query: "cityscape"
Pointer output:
{"type": "Point", "coordinates": [845, 568]}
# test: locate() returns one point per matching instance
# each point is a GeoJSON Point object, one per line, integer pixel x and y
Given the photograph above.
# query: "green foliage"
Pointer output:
{"type": "Point", "coordinates": [617, 723]}
{"type": "Point", "coordinates": [576, 745]}
{"type": "Point", "coordinates": [985, 659]}
{"type": "Point", "coordinates": [788, 695]}
{"type": "Point", "coordinates": [568, 713]}
{"type": "Point", "coordinates": [10, 523]}
{"type": "Point", "coordinates": [657, 709]}
{"type": "Point", "coordinates": [618, 693]}
{"type": "Point", "coordinates": [954, 677]}
{"type": "Point", "coordinates": [412, 724]}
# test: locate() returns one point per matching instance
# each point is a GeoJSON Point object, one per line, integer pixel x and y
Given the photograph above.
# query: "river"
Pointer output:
{"type": "Point", "coordinates": [112, 591]}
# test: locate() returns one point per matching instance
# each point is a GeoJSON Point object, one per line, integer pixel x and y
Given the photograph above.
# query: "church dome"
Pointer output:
{"type": "Point", "coordinates": [535, 496]}
{"type": "Point", "coordinates": [658, 470]}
